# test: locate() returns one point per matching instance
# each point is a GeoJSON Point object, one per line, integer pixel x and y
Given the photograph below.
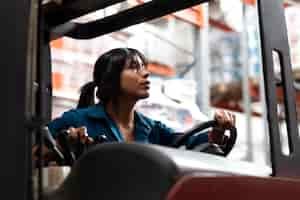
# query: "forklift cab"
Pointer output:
{"type": "Point", "coordinates": [141, 171]}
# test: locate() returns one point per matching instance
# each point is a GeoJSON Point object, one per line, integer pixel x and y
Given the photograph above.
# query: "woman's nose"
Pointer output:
{"type": "Point", "coordinates": [145, 73]}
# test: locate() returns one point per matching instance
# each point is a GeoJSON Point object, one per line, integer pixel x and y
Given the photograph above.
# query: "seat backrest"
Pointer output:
{"type": "Point", "coordinates": [234, 188]}
{"type": "Point", "coordinates": [118, 171]}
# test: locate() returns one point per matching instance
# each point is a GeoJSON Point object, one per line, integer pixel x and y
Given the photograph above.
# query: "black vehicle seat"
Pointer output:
{"type": "Point", "coordinates": [118, 171]}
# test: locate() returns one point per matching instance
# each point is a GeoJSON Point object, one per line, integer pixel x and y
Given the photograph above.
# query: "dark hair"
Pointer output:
{"type": "Point", "coordinates": [106, 76]}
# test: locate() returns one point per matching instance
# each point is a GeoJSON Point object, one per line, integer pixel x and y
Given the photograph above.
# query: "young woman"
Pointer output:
{"type": "Point", "coordinates": [120, 79]}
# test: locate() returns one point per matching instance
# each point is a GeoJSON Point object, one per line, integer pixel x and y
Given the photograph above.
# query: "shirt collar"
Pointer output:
{"type": "Point", "coordinates": [142, 126]}
{"type": "Point", "coordinates": [97, 111]}
{"type": "Point", "coordinates": [140, 119]}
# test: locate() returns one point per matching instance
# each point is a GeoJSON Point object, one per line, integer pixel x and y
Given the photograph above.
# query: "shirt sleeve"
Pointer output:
{"type": "Point", "coordinates": [66, 121]}
{"type": "Point", "coordinates": [166, 135]}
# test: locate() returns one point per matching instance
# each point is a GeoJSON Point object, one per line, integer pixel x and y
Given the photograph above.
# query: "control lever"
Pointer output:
{"type": "Point", "coordinates": [64, 142]}
{"type": "Point", "coordinates": [51, 143]}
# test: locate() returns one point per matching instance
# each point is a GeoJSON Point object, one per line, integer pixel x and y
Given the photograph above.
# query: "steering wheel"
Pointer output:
{"type": "Point", "coordinates": [222, 150]}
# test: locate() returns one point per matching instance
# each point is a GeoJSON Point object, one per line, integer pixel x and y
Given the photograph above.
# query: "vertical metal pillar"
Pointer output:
{"type": "Point", "coordinates": [245, 84]}
{"type": "Point", "coordinates": [202, 67]}
{"type": "Point", "coordinates": [273, 32]}
{"type": "Point", "coordinates": [15, 142]}
{"type": "Point", "coordinates": [266, 142]}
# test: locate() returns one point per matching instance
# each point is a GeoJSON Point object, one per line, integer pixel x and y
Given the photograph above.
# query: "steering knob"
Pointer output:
{"type": "Point", "coordinates": [213, 149]}
{"type": "Point", "coordinates": [101, 139]}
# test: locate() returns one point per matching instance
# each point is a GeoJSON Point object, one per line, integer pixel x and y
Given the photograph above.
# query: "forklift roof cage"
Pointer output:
{"type": "Point", "coordinates": [30, 25]}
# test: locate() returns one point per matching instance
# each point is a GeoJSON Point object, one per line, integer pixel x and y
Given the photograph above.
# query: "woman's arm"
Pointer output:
{"type": "Point", "coordinates": [67, 120]}
{"type": "Point", "coordinates": [225, 120]}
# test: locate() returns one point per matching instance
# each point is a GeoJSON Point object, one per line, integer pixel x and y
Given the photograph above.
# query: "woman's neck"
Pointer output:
{"type": "Point", "coordinates": [122, 113]}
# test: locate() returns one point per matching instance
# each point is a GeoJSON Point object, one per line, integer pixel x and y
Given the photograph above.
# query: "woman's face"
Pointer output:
{"type": "Point", "coordinates": [134, 79]}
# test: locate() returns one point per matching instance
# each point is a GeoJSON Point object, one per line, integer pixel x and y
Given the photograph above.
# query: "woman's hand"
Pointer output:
{"type": "Point", "coordinates": [74, 136]}
{"type": "Point", "coordinates": [79, 140]}
{"type": "Point", "coordinates": [225, 120]}
{"type": "Point", "coordinates": [80, 134]}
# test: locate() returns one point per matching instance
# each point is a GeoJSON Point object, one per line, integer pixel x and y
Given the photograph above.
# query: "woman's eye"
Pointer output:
{"type": "Point", "coordinates": [143, 66]}
{"type": "Point", "coordinates": [137, 65]}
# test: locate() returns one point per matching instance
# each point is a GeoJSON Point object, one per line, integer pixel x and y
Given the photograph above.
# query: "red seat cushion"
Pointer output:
{"type": "Point", "coordinates": [235, 188]}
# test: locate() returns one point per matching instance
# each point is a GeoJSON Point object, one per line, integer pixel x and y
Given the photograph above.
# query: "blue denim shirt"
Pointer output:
{"type": "Point", "coordinates": [98, 122]}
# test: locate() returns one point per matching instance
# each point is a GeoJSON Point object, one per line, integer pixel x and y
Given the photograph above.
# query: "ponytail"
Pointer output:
{"type": "Point", "coordinates": [87, 95]}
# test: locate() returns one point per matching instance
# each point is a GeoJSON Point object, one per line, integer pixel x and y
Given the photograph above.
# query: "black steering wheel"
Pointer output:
{"type": "Point", "coordinates": [222, 150]}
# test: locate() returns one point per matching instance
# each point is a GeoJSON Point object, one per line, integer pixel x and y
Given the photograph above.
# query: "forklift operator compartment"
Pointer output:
{"type": "Point", "coordinates": [132, 171]}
